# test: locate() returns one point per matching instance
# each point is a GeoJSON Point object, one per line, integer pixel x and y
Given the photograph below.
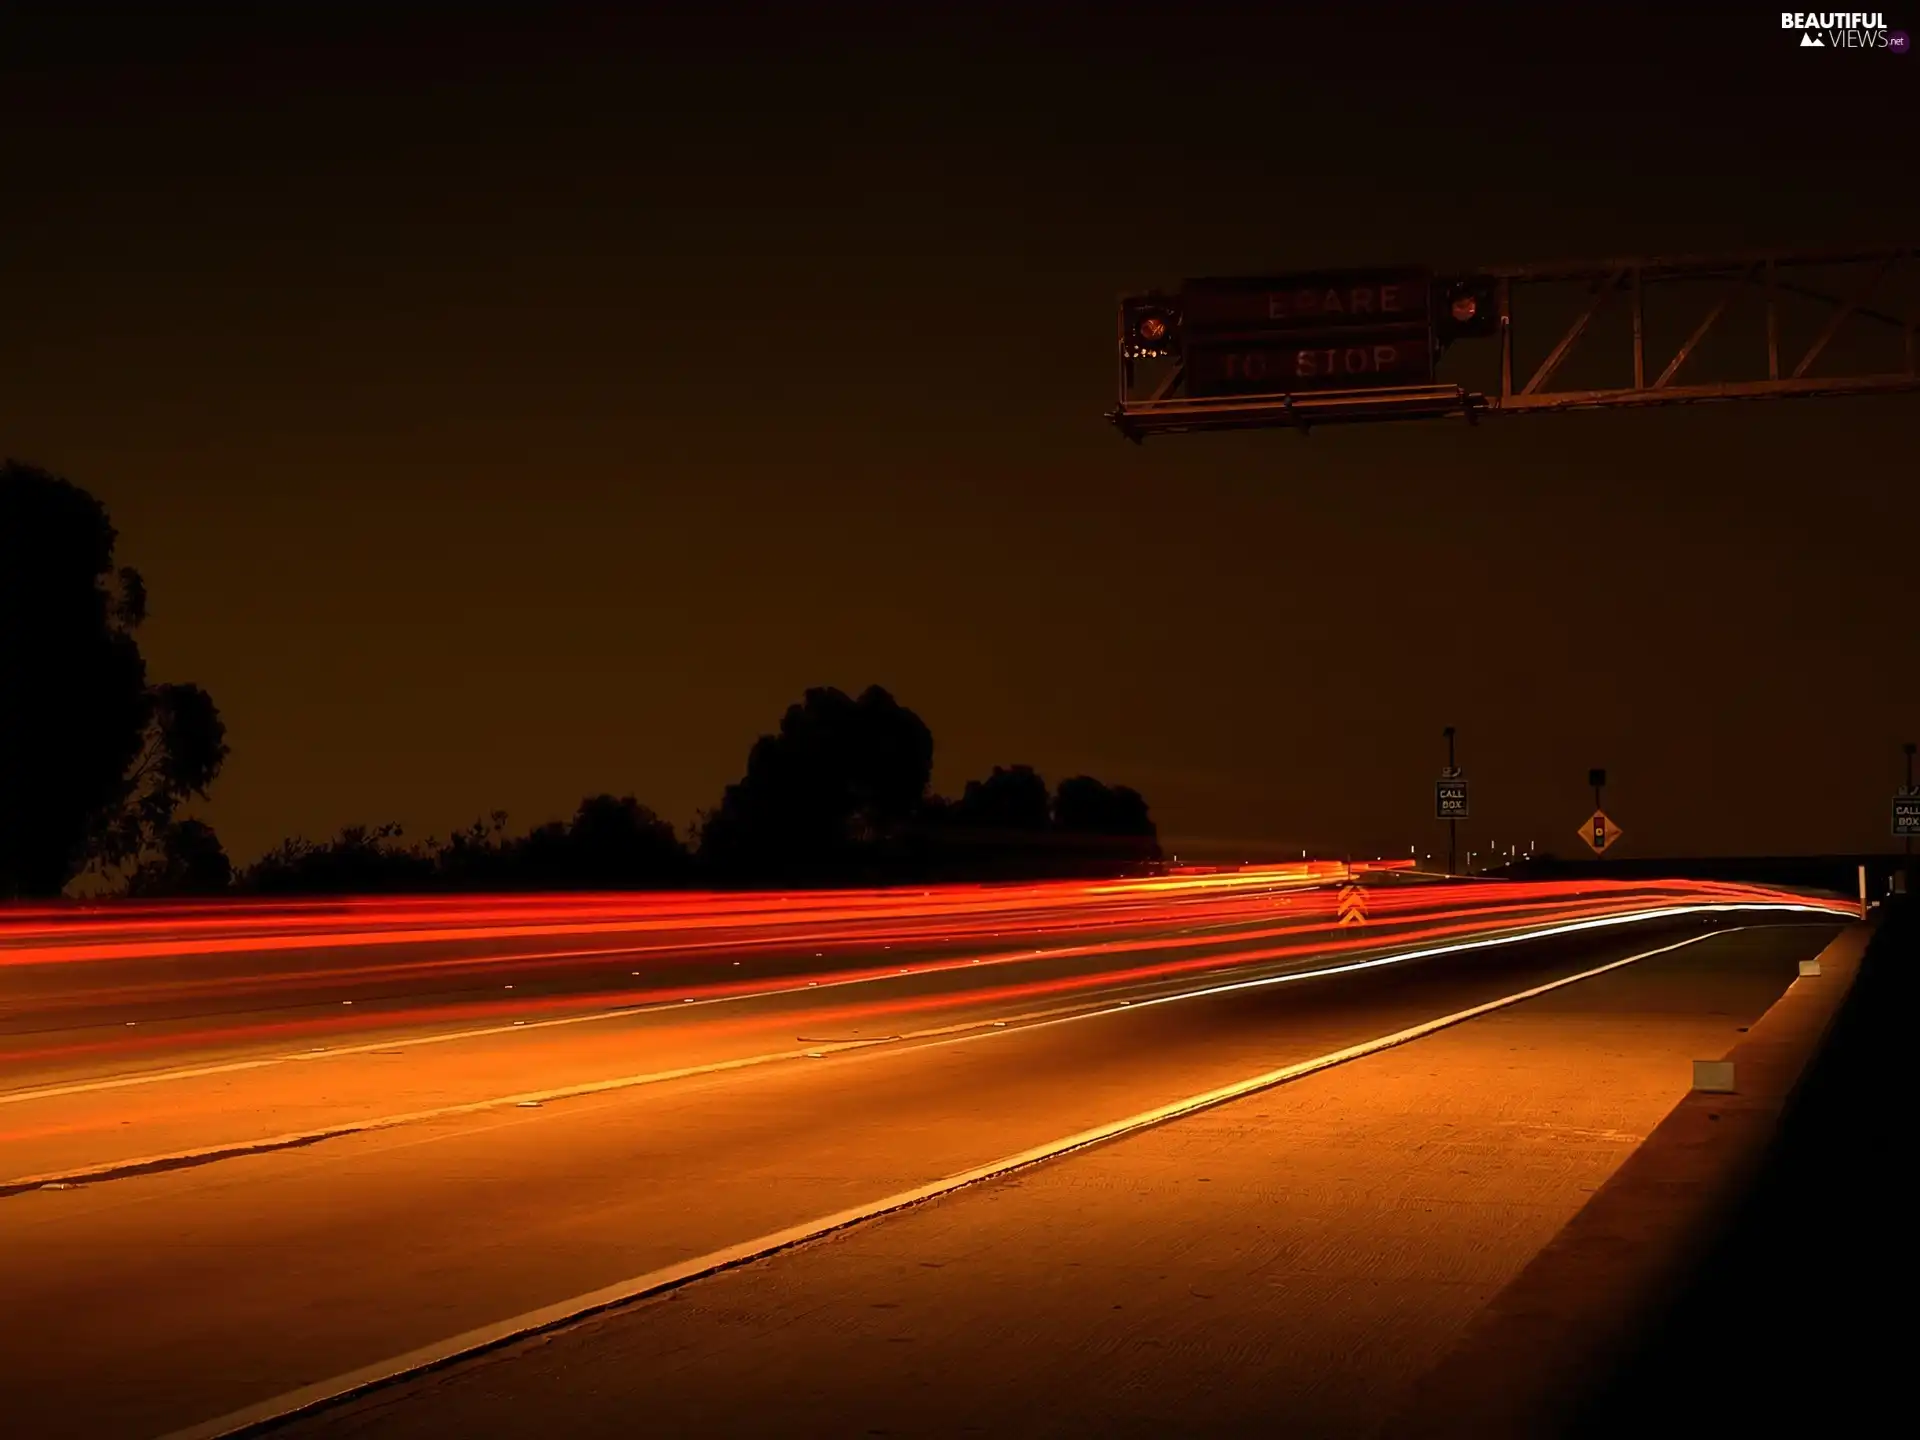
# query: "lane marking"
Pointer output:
{"type": "Point", "coordinates": [668, 1277]}
{"type": "Point", "coordinates": [956, 1033]}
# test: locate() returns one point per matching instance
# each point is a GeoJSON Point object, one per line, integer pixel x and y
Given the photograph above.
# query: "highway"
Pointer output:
{"type": "Point", "coordinates": [254, 1147]}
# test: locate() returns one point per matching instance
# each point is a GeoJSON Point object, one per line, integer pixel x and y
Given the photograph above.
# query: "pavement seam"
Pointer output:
{"type": "Point", "coordinates": [265, 1414]}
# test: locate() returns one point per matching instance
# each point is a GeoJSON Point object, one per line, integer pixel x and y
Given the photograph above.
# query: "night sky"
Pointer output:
{"type": "Point", "coordinates": [503, 409]}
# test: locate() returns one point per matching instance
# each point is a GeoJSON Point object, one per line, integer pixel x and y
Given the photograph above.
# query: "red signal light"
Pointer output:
{"type": "Point", "coordinates": [1466, 306]}
{"type": "Point", "coordinates": [1152, 330]}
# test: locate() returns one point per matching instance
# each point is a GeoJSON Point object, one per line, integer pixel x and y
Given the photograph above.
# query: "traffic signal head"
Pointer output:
{"type": "Point", "coordinates": [1465, 308]}
{"type": "Point", "coordinates": [1152, 328]}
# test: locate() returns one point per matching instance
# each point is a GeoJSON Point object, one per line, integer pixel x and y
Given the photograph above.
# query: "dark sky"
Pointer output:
{"type": "Point", "coordinates": [509, 405]}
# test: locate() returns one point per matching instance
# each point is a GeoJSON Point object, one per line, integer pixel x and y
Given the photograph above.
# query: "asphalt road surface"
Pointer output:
{"type": "Point", "coordinates": [219, 1190]}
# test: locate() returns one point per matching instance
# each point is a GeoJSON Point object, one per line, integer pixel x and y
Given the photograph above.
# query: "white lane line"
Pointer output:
{"type": "Point", "coordinates": [955, 1033]}
{"type": "Point", "coordinates": [548, 1317]}
{"type": "Point", "coordinates": [1400, 957]}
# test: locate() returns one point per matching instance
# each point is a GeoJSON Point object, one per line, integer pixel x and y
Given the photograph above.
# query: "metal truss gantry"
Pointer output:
{"type": "Point", "coordinates": [1155, 403]}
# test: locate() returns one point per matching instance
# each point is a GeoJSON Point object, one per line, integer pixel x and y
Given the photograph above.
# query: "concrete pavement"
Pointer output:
{"type": "Point", "coordinates": [1291, 1262]}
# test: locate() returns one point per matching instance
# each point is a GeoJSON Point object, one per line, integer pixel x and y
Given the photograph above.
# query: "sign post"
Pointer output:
{"type": "Point", "coordinates": [1450, 799]}
{"type": "Point", "coordinates": [1906, 816]}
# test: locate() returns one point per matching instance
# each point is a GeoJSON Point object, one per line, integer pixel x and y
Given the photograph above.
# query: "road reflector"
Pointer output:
{"type": "Point", "coordinates": [1715, 1077]}
{"type": "Point", "coordinates": [815, 1055]}
{"type": "Point", "coordinates": [529, 1105]}
{"type": "Point", "coordinates": [1809, 967]}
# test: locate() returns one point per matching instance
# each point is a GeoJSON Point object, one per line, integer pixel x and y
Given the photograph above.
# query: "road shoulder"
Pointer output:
{"type": "Point", "coordinates": [1531, 1361]}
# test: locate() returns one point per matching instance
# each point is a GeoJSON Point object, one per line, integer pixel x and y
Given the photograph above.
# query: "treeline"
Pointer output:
{"type": "Point", "coordinates": [98, 762]}
{"type": "Point", "coordinates": [837, 796]}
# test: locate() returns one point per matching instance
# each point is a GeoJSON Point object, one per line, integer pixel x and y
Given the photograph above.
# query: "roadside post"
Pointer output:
{"type": "Point", "coordinates": [1598, 830]}
{"type": "Point", "coordinates": [1450, 799]}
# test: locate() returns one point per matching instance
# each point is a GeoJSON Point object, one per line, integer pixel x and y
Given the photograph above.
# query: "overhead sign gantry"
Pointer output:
{"type": "Point", "coordinates": [1360, 345]}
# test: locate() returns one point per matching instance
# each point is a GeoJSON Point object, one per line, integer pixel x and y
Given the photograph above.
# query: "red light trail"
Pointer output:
{"type": "Point", "coordinates": [77, 983]}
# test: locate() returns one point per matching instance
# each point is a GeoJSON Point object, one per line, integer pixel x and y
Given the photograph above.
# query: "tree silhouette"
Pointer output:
{"type": "Point", "coordinates": [828, 797]}
{"type": "Point", "coordinates": [480, 857]}
{"type": "Point", "coordinates": [618, 843]}
{"type": "Point", "coordinates": [999, 828]}
{"type": "Point", "coordinates": [189, 860]}
{"type": "Point", "coordinates": [181, 752]}
{"type": "Point", "coordinates": [836, 796]}
{"type": "Point", "coordinates": [612, 843]}
{"type": "Point", "coordinates": [94, 763]}
{"type": "Point", "coordinates": [1104, 825]}
{"type": "Point", "coordinates": [1011, 801]}
{"type": "Point", "coordinates": [361, 859]}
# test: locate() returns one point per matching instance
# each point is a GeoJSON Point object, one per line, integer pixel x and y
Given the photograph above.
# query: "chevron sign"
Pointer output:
{"type": "Point", "coordinates": [1353, 905]}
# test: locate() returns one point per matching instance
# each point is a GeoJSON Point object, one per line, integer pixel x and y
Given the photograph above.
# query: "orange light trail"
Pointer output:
{"type": "Point", "coordinates": [217, 974]}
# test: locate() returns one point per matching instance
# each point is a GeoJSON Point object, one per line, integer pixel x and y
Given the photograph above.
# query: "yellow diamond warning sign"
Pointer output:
{"type": "Point", "coordinates": [1599, 832]}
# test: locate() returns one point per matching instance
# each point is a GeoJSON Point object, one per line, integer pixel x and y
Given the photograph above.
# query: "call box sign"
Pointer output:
{"type": "Point", "coordinates": [1906, 815]}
